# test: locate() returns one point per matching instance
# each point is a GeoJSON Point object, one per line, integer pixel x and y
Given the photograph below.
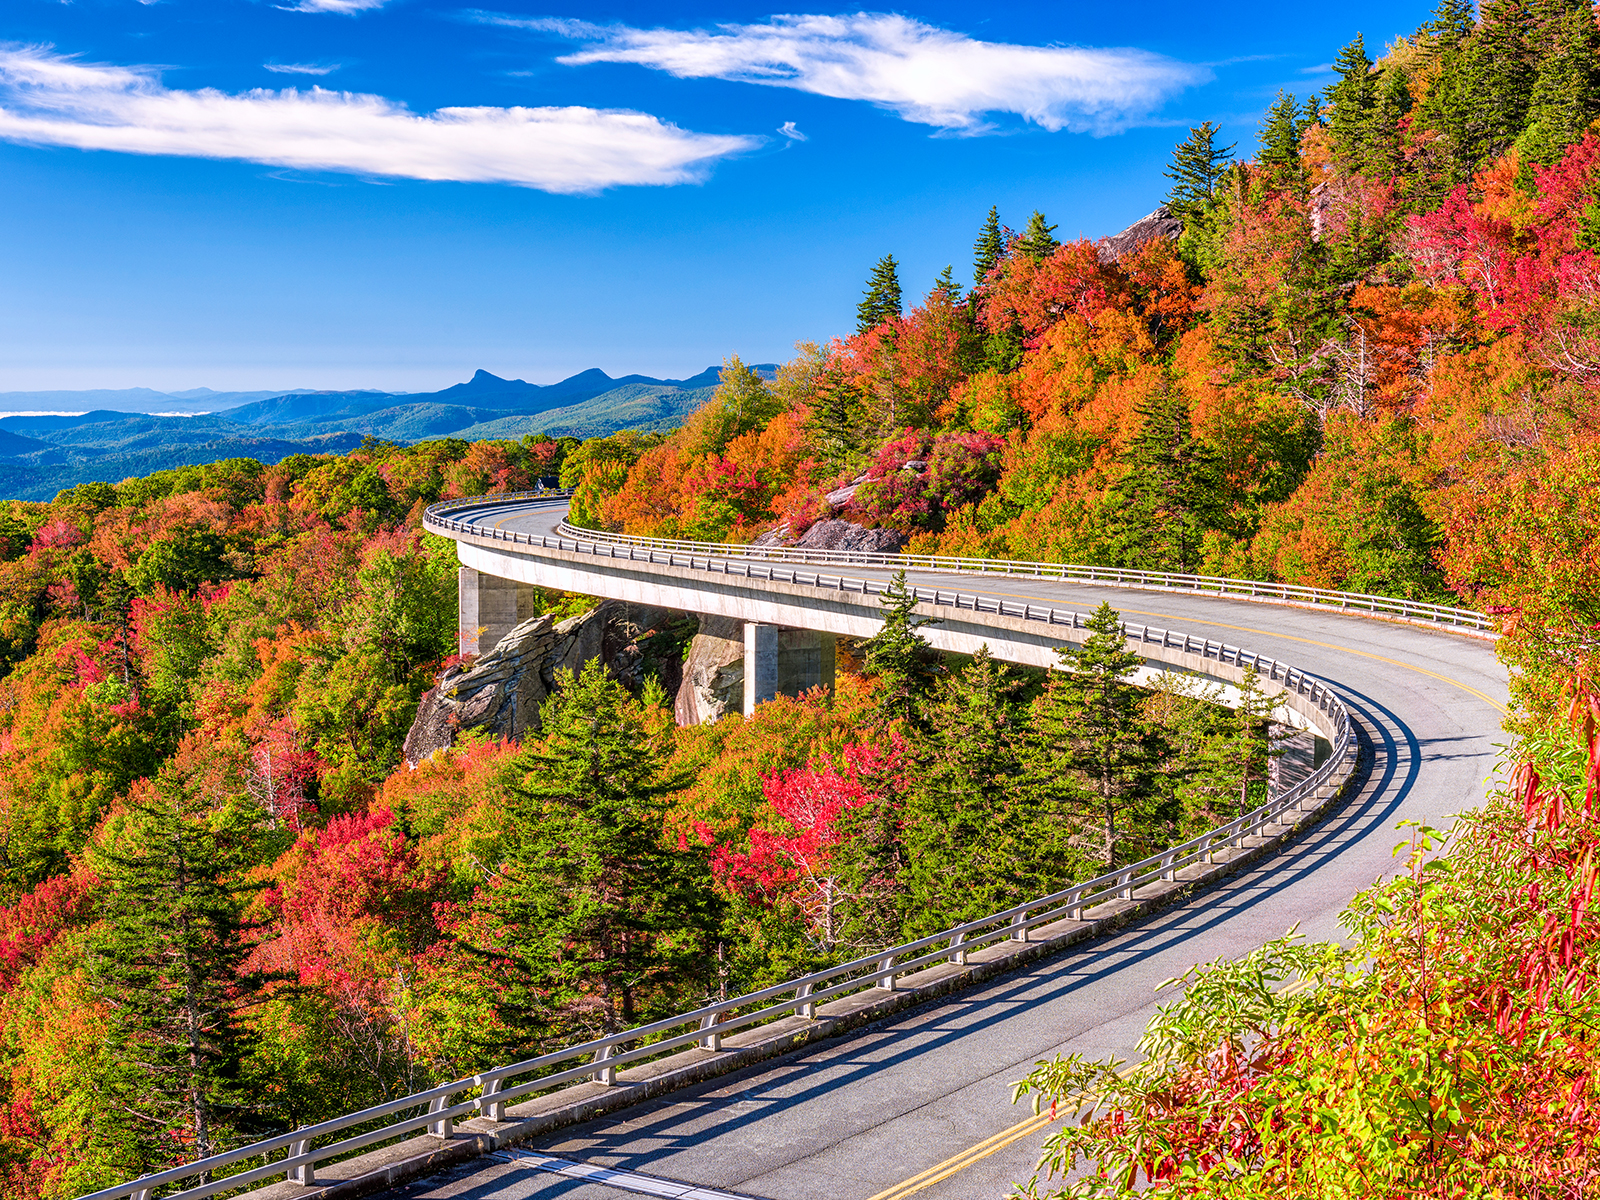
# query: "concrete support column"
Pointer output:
{"type": "Point", "coordinates": [489, 607]}
{"type": "Point", "coordinates": [784, 662]}
{"type": "Point", "coordinates": [760, 664]}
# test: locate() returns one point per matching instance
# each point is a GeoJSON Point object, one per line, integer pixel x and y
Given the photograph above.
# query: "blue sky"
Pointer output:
{"type": "Point", "coordinates": [535, 190]}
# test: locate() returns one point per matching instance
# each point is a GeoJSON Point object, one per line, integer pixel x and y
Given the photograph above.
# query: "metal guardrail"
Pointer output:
{"type": "Point", "coordinates": [436, 1110]}
{"type": "Point", "coordinates": [1252, 589]}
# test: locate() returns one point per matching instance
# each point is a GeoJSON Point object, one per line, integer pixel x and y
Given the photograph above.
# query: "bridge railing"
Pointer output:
{"type": "Point", "coordinates": [1166, 581]}
{"type": "Point", "coordinates": [295, 1154]}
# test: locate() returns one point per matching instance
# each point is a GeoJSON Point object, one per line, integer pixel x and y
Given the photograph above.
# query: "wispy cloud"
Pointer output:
{"type": "Point", "coordinates": [345, 8]}
{"type": "Point", "coordinates": [301, 68]}
{"type": "Point", "coordinates": [790, 131]}
{"type": "Point", "coordinates": [52, 99]}
{"type": "Point", "coordinates": [925, 74]}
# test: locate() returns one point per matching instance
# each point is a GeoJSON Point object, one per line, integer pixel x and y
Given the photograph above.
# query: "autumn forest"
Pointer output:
{"type": "Point", "coordinates": [1363, 356]}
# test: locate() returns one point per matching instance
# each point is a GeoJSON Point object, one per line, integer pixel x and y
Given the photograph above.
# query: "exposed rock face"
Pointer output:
{"type": "Point", "coordinates": [501, 692]}
{"type": "Point", "coordinates": [713, 674]}
{"type": "Point", "coordinates": [835, 534]}
{"type": "Point", "coordinates": [1159, 224]}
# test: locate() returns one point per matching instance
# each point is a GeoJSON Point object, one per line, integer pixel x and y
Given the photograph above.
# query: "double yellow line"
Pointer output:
{"type": "Point", "coordinates": [967, 1157]}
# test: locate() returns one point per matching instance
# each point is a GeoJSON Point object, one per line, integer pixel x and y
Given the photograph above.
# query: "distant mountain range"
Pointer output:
{"type": "Point", "coordinates": [134, 431]}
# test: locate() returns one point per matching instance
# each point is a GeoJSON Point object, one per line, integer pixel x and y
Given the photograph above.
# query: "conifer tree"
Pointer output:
{"type": "Point", "coordinates": [1172, 491]}
{"type": "Point", "coordinates": [1351, 101]}
{"type": "Point", "coordinates": [837, 418]}
{"type": "Point", "coordinates": [168, 961]}
{"type": "Point", "coordinates": [989, 249]}
{"type": "Point", "coordinates": [1566, 87]}
{"type": "Point", "coordinates": [1497, 78]}
{"type": "Point", "coordinates": [945, 286]}
{"type": "Point", "coordinates": [1091, 743]}
{"type": "Point", "coordinates": [881, 301]}
{"type": "Point", "coordinates": [595, 920]}
{"type": "Point", "coordinates": [1198, 163]}
{"type": "Point", "coordinates": [1280, 139]}
{"type": "Point", "coordinates": [1452, 23]}
{"type": "Point", "coordinates": [1038, 240]}
{"type": "Point", "coordinates": [1383, 152]}
{"type": "Point", "coordinates": [971, 840]}
{"type": "Point", "coordinates": [899, 657]}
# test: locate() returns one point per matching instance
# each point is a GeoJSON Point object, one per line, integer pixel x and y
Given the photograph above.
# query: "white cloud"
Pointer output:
{"type": "Point", "coordinates": [925, 74]}
{"type": "Point", "coordinates": [50, 99]}
{"type": "Point", "coordinates": [345, 8]}
{"type": "Point", "coordinates": [300, 68]}
{"type": "Point", "coordinates": [791, 131]}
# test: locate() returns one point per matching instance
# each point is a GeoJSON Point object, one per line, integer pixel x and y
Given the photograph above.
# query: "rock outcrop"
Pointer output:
{"type": "Point", "coordinates": [836, 534]}
{"type": "Point", "coordinates": [1159, 224]}
{"type": "Point", "coordinates": [713, 674]}
{"type": "Point", "coordinates": [500, 693]}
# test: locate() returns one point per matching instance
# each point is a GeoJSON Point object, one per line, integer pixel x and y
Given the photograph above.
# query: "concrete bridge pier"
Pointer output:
{"type": "Point", "coordinates": [784, 662]}
{"type": "Point", "coordinates": [490, 607]}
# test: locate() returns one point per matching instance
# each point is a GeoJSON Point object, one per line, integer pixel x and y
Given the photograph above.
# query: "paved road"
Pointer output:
{"type": "Point", "coordinates": [858, 1117]}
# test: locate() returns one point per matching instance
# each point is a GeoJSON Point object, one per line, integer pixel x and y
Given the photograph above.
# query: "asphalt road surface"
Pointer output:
{"type": "Point", "coordinates": [920, 1105]}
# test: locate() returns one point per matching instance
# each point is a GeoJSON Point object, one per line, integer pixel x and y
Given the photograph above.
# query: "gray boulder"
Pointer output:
{"type": "Point", "coordinates": [713, 674]}
{"type": "Point", "coordinates": [500, 693]}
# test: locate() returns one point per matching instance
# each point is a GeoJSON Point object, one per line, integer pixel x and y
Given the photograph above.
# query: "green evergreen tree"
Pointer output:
{"type": "Point", "coordinates": [1198, 163]}
{"type": "Point", "coordinates": [989, 249]}
{"type": "Point", "coordinates": [1351, 101]}
{"type": "Point", "coordinates": [1452, 23]}
{"type": "Point", "coordinates": [1092, 747]}
{"type": "Point", "coordinates": [971, 840]}
{"type": "Point", "coordinates": [1566, 88]}
{"type": "Point", "coordinates": [1244, 751]}
{"type": "Point", "coordinates": [1497, 77]}
{"type": "Point", "coordinates": [1384, 157]}
{"type": "Point", "coordinates": [881, 301]}
{"type": "Point", "coordinates": [1280, 139]}
{"type": "Point", "coordinates": [598, 922]}
{"type": "Point", "coordinates": [837, 419]}
{"type": "Point", "coordinates": [169, 962]}
{"type": "Point", "coordinates": [899, 657]}
{"type": "Point", "coordinates": [1171, 493]}
{"type": "Point", "coordinates": [946, 287]}
{"type": "Point", "coordinates": [1038, 240]}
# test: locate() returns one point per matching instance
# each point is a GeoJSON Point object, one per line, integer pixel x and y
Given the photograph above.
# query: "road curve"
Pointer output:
{"type": "Point", "coordinates": [877, 1115]}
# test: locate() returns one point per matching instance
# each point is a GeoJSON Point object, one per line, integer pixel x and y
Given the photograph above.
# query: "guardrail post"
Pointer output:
{"type": "Point", "coordinates": [708, 1025]}
{"type": "Point", "coordinates": [808, 1010]}
{"type": "Point", "coordinates": [1075, 913]}
{"type": "Point", "coordinates": [1019, 931]}
{"type": "Point", "coordinates": [1127, 885]}
{"type": "Point", "coordinates": [303, 1173]}
{"type": "Point", "coordinates": [958, 949]}
{"type": "Point", "coordinates": [142, 1193]}
{"type": "Point", "coordinates": [886, 963]}
{"type": "Point", "coordinates": [444, 1127]}
{"type": "Point", "coordinates": [495, 1110]}
{"type": "Point", "coordinates": [605, 1075]}
{"type": "Point", "coordinates": [1166, 866]}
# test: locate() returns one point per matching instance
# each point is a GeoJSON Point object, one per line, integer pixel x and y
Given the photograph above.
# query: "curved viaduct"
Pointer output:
{"type": "Point", "coordinates": [919, 1104]}
{"type": "Point", "coordinates": [773, 1103]}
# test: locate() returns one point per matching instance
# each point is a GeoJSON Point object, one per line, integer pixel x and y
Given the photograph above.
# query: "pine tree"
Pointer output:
{"type": "Point", "coordinates": [1091, 744]}
{"type": "Point", "coordinates": [837, 418]}
{"type": "Point", "coordinates": [1038, 240]}
{"type": "Point", "coordinates": [1497, 78]}
{"type": "Point", "coordinates": [1351, 101]}
{"type": "Point", "coordinates": [946, 287]}
{"type": "Point", "coordinates": [968, 825]}
{"type": "Point", "coordinates": [1384, 156]}
{"type": "Point", "coordinates": [1566, 87]}
{"type": "Point", "coordinates": [1280, 139]}
{"type": "Point", "coordinates": [1452, 23]}
{"type": "Point", "coordinates": [989, 249]}
{"type": "Point", "coordinates": [899, 657]}
{"type": "Point", "coordinates": [881, 301]}
{"type": "Point", "coordinates": [1197, 165]}
{"type": "Point", "coordinates": [1172, 490]}
{"type": "Point", "coordinates": [168, 961]}
{"type": "Point", "coordinates": [595, 921]}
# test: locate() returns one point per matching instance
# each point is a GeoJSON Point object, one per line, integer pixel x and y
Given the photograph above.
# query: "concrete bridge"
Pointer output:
{"type": "Point", "coordinates": [915, 1101]}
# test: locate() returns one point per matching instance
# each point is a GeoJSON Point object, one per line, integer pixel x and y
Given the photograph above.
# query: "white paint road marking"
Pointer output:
{"type": "Point", "coordinates": [628, 1181]}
